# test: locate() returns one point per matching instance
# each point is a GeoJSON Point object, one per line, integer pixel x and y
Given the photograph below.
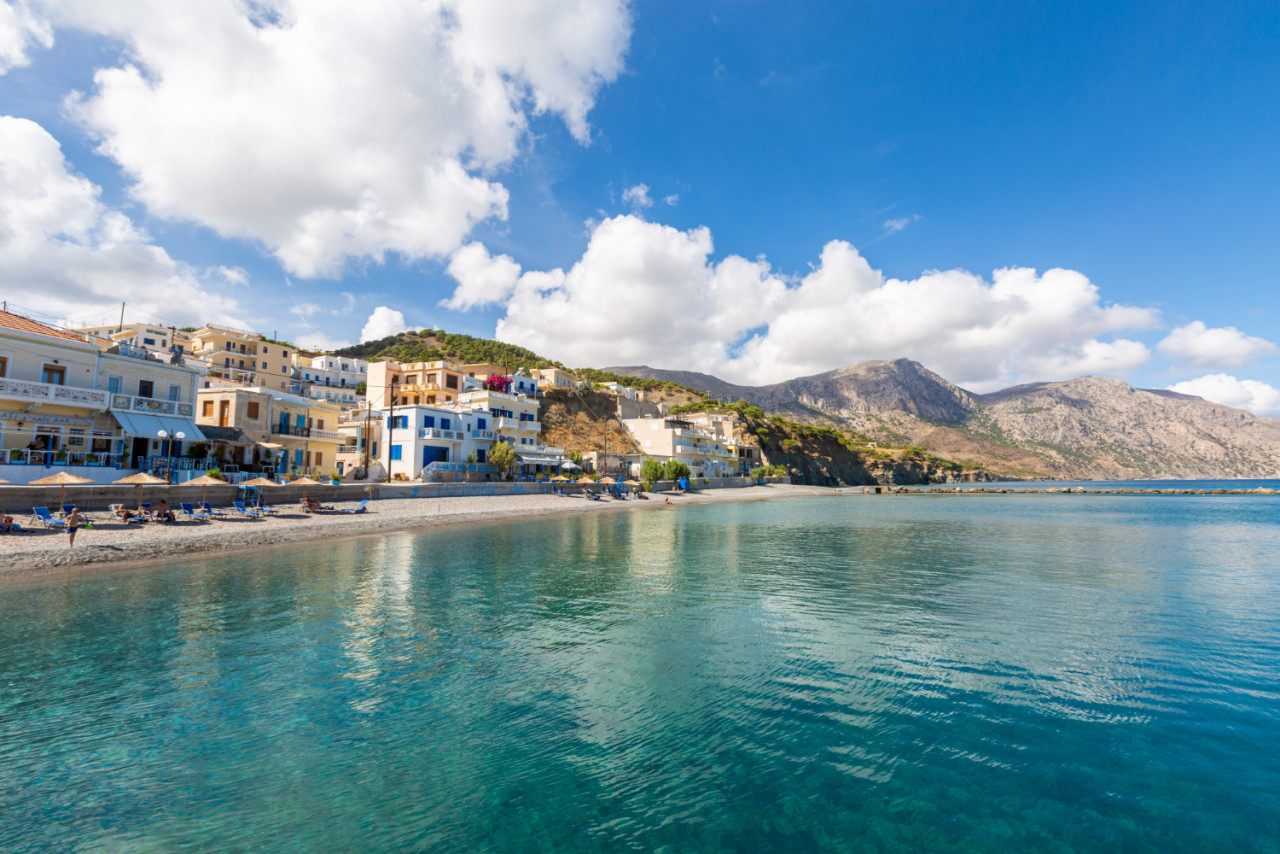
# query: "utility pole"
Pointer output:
{"type": "Point", "coordinates": [121, 328]}
{"type": "Point", "coordinates": [391, 423]}
{"type": "Point", "coordinates": [368, 415]}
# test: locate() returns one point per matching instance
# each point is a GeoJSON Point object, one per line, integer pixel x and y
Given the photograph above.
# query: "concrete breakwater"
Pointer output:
{"type": "Point", "coordinates": [1062, 490]}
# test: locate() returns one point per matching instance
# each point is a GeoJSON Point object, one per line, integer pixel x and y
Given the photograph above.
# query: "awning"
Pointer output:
{"type": "Point", "coordinates": [270, 446]}
{"type": "Point", "coordinates": [138, 424]}
{"type": "Point", "coordinates": [539, 459]}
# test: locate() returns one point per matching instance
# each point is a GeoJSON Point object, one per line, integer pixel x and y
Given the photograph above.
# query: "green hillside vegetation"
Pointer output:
{"type": "Point", "coordinates": [594, 375]}
{"type": "Point", "coordinates": [430, 345]}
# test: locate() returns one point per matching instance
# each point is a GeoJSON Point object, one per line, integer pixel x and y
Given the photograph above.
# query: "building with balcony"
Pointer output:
{"type": "Point", "coordinates": [264, 429]}
{"type": "Point", "coordinates": [153, 402]}
{"type": "Point", "coordinates": [701, 448]}
{"type": "Point", "coordinates": [331, 378]}
{"type": "Point", "coordinates": [163, 342]}
{"type": "Point", "coordinates": [555, 378]}
{"type": "Point", "coordinates": [240, 357]}
{"type": "Point", "coordinates": [52, 412]}
{"type": "Point", "coordinates": [393, 383]}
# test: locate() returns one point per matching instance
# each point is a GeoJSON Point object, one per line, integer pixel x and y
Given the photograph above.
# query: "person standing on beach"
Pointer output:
{"type": "Point", "coordinates": [74, 520]}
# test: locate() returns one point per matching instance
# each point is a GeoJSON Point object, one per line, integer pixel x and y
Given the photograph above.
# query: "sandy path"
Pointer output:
{"type": "Point", "coordinates": [36, 551]}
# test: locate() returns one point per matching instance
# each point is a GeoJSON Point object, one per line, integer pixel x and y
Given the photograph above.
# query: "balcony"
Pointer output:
{"type": "Point", "coordinates": [34, 392]}
{"type": "Point", "coordinates": [290, 430]}
{"type": "Point", "coordinates": [444, 435]}
{"type": "Point", "coordinates": [329, 435]}
{"type": "Point", "coordinates": [517, 424]}
{"type": "Point", "coordinates": [484, 434]}
{"type": "Point", "coordinates": [151, 406]}
{"type": "Point", "coordinates": [19, 456]}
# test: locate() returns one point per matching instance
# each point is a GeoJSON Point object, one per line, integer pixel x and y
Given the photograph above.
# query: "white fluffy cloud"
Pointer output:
{"type": "Point", "coordinates": [62, 249]}
{"type": "Point", "coordinates": [328, 129]}
{"type": "Point", "coordinates": [648, 293]}
{"type": "Point", "coordinates": [482, 279]}
{"type": "Point", "coordinates": [637, 197]}
{"type": "Point", "coordinates": [1257, 397]}
{"type": "Point", "coordinates": [1220, 348]}
{"type": "Point", "coordinates": [382, 323]}
{"type": "Point", "coordinates": [20, 31]}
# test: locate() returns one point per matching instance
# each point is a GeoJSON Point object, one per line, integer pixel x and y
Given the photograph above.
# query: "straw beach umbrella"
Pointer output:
{"type": "Point", "coordinates": [561, 478]}
{"type": "Point", "coordinates": [260, 482]}
{"type": "Point", "coordinates": [607, 479]}
{"type": "Point", "coordinates": [61, 479]}
{"type": "Point", "coordinates": [585, 479]}
{"type": "Point", "coordinates": [304, 482]}
{"type": "Point", "coordinates": [204, 482]}
{"type": "Point", "coordinates": [141, 479]}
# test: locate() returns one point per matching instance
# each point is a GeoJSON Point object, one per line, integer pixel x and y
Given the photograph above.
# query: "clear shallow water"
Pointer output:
{"type": "Point", "coordinates": [835, 674]}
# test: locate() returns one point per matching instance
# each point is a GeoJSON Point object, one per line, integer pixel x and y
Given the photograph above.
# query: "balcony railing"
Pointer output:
{"type": "Point", "coordinates": [446, 435]}
{"type": "Point", "coordinates": [151, 406]}
{"type": "Point", "coordinates": [290, 430]}
{"type": "Point", "coordinates": [58, 458]}
{"type": "Point", "coordinates": [484, 434]}
{"type": "Point", "coordinates": [27, 390]}
{"type": "Point", "coordinates": [516, 424]}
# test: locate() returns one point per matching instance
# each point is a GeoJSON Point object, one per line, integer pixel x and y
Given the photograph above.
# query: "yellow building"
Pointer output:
{"type": "Point", "coordinates": [265, 429]}
{"type": "Point", "coordinates": [393, 383]}
{"type": "Point", "coordinates": [51, 412]}
{"type": "Point", "coordinates": [241, 357]}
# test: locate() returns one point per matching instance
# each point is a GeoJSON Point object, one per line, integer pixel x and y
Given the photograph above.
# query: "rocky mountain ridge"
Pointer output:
{"type": "Point", "coordinates": [1089, 427]}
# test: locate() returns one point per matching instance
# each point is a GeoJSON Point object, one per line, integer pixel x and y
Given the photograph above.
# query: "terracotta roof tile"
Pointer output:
{"type": "Point", "coordinates": [9, 320]}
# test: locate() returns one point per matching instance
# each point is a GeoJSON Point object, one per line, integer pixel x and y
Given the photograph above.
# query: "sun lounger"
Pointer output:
{"type": "Point", "coordinates": [191, 513]}
{"type": "Point", "coordinates": [245, 511]}
{"type": "Point", "coordinates": [209, 511]}
{"type": "Point", "coordinates": [115, 514]}
{"type": "Point", "coordinates": [357, 509]}
{"type": "Point", "coordinates": [266, 511]}
{"type": "Point", "coordinates": [41, 514]}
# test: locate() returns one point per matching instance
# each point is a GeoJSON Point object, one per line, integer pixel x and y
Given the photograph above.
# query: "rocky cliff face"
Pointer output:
{"type": "Point", "coordinates": [1092, 427]}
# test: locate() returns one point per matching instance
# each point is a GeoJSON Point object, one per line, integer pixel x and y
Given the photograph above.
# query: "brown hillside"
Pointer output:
{"type": "Point", "coordinates": [584, 421]}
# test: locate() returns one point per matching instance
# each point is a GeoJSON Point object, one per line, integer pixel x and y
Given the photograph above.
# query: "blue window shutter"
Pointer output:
{"type": "Point", "coordinates": [444, 424]}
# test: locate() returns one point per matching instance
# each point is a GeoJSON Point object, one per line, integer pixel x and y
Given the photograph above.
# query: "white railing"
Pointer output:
{"type": "Point", "coordinates": [151, 405]}
{"type": "Point", "coordinates": [484, 434]}
{"type": "Point", "coordinates": [326, 434]}
{"type": "Point", "coordinates": [58, 458]}
{"type": "Point", "coordinates": [516, 424]}
{"type": "Point", "coordinates": [48, 392]}
{"type": "Point", "coordinates": [446, 435]}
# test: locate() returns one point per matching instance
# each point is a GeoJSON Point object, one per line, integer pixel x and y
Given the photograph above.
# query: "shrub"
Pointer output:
{"type": "Point", "coordinates": [674, 470]}
{"type": "Point", "coordinates": [650, 471]}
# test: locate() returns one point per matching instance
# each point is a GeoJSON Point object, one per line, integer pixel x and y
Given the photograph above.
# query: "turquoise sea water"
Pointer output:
{"type": "Point", "coordinates": [852, 673]}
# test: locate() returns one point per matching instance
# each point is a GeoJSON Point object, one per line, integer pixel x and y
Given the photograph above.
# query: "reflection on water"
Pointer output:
{"type": "Point", "coordinates": [835, 674]}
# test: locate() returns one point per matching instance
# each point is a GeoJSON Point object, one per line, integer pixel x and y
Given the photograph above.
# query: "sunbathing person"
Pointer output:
{"type": "Point", "coordinates": [6, 522]}
{"type": "Point", "coordinates": [163, 513]}
{"type": "Point", "coordinates": [126, 514]}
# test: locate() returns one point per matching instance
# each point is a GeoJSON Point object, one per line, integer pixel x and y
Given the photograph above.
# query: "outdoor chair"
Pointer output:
{"type": "Point", "coordinates": [245, 511]}
{"type": "Point", "coordinates": [357, 509]}
{"type": "Point", "coordinates": [209, 511]}
{"type": "Point", "coordinates": [191, 513]}
{"type": "Point", "coordinates": [41, 514]}
{"type": "Point", "coordinates": [145, 507]}
{"type": "Point", "coordinates": [115, 514]}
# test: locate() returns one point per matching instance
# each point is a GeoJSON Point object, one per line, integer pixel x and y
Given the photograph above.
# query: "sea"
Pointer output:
{"type": "Point", "coordinates": [841, 673]}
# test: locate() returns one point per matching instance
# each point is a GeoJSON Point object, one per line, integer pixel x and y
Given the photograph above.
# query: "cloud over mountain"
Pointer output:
{"type": "Point", "coordinates": [646, 293]}
{"type": "Point", "coordinates": [1257, 397]}
{"type": "Point", "coordinates": [1201, 348]}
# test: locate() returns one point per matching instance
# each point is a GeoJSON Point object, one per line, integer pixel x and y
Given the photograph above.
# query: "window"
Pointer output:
{"type": "Point", "coordinates": [428, 421]}
{"type": "Point", "coordinates": [320, 424]}
{"type": "Point", "coordinates": [395, 452]}
{"type": "Point", "coordinates": [150, 341]}
{"type": "Point", "coordinates": [480, 456]}
{"type": "Point", "coordinates": [115, 384]}
{"type": "Point", "coordinates": [252, 410]}
{"type": "Point", "coordinates": [450, 381]}
{"type": "Point", "coordinates": [284, 354]}
{"type": "Point", "coordinates": [175, 392]}
{"type": "Point", "coordinates": [4, 366]}
{"type": "Point", "coordinates": [297, 457]}
{"type": "Point", "coordinates": [319, 459]}
{"type": "Point", "coordinates": [444, 424]}
{"type": "Point", "coordinates": [283, 369]}
{"type": "Point", "coordinates": [266, 350]}
{"type": "Point", "coordinates": [397, 422]}
{"type": "Point", "coordinates": [53, 375]}
{"type": "Point", "coordinates": [146, 388]}
{"type": "Point", "coordinates": [481, 424]}
{"type": "Point", "coordinates": [206, 409]}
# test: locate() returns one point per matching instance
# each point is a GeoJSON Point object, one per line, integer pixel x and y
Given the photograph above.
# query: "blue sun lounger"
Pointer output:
{"type": "Point", "coordinates": [357, 509]}
{"type": "Point", "coordinates": [42, 514]}
{"type": "Point", "coordinates": [191, 513]}
{"type": "Point", "coordinates": [245, 511]}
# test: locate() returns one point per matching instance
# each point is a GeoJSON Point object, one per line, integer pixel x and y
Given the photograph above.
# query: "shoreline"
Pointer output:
{"type": "Point", "coordinates": [36, 553]}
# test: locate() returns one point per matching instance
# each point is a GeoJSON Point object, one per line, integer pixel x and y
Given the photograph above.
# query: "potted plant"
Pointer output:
{"type": "Point", "coordinates": [333, 478]}
{"type": "Point", "coordinates": [60, 457]}
{"type": "Point", "coordinates": [15, 455]}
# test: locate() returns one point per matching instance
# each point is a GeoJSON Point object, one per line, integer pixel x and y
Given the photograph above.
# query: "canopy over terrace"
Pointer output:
{"type": "Point", "coordinates": [534, 462]}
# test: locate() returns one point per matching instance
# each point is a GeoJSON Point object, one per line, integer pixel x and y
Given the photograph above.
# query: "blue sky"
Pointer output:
{"type": "Point", "coordinates": [822, 182]}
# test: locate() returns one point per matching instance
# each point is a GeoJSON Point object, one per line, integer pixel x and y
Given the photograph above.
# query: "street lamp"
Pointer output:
{"type": "Point", "coordinates": [391, 422]}
{"type": "Point", "coordinates": [168, 464]}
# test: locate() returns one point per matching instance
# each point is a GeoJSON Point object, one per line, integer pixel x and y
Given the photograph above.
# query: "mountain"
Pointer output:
{"type": "Point", "coordinates": [899, 385]}
{"type": "Point", "coordinates": [1091, 427]}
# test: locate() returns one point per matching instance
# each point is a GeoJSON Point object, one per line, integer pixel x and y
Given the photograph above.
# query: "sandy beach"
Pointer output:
{"type": "Point", "coordinates": [36, 551]}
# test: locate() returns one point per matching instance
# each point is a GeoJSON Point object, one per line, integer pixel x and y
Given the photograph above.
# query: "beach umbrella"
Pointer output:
{"type": "Point", "coordinates": [204, 482]}
{"type": "Point", "coordinates": [561, 478]}
{"type": "Point", "coordinates": [304, 482]}
{"type": "Point", "coordinates": [2, 480]}
{"type": "Point", "coordinates": [585, 479]}
{"type": "Point", "coordinates": [630, 482]}
{"type": "Point", "coordinates": [61, 479]}
{"type": "Point", "coordinates": [569, 465]}
{"type": "Point", "coordinates": [260, 482]}
{"type": "Point", "coordinates": [607, 479]}
{"type": "Point", "coordinates": [141, 479]}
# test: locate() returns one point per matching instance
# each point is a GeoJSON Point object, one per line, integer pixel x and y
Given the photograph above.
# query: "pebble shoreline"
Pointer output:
{"type": "Point", "coordinates": [36, 551]}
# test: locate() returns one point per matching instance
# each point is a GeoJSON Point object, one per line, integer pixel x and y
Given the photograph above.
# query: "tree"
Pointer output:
{"type": "Point", "coordinates": [502, 457]}
{"type": "Point", "coordinates": [674, 470]}
{"type": "Point", "coordinates": [362, 388]}
{"type": "Point", "coordinates": [650, 472]}
{"type": "Point", "coordinates": [575, 457]}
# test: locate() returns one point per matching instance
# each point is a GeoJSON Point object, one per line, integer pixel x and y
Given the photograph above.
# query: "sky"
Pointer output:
{"type": "Point", "coordinates": [1006, 192]}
